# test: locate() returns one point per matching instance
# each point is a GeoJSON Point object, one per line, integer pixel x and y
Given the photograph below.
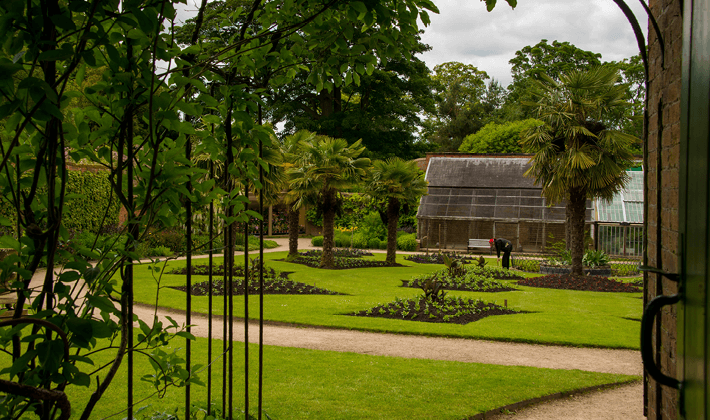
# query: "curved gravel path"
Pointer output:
{"type": "Point", "coordinates": [623, 402]}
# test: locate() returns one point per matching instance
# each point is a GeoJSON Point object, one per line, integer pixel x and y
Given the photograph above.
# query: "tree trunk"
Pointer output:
{"type": "Point", "coordinates": [293, 229]}
{"type": "Point", "coordinates": [392, 219]}
{"type": "Point", "coordinates": [576, 207]}
{"type": "Point", "coordinates": [327, 260]}
{"type": "Point", "coordinates": [568, 228]}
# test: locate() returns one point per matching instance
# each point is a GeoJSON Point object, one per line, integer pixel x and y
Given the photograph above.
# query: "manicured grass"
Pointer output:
{"type": "Point", "coordinates": [564, 317]}
{"type": "Point", "coordinates": [311, 384]}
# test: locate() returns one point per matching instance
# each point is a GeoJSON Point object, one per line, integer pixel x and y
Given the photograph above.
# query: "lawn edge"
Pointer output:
{"type": "Point", "coordinates": [497, 413]}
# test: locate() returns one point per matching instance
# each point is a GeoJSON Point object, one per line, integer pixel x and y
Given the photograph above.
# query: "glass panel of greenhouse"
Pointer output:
{"type": "Point", "coordinates": [627, 206]}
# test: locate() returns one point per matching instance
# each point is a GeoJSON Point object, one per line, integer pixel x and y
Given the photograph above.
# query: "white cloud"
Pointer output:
{"type": "Point", "coordinates": [464, 31]}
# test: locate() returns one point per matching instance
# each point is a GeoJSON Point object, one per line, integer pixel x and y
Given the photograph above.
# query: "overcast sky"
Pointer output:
{"type": "Point", "coordinates": [464, 31]}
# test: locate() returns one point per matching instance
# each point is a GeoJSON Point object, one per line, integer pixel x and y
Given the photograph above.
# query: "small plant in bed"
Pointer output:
{"type": "Point", "coordinates": [444, 309]}
{"type": "Point", "coordinates": [471, 280]}
{"type": "Point", "coordinates": [586, 283]}
{"type": "Point", "coordinates": [274, 282]}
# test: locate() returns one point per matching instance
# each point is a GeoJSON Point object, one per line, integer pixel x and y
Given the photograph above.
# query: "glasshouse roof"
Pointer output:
{"type": "Point", "coordinates": [627, 206]}
{"type": "Point", "coordinates": [485, 188]}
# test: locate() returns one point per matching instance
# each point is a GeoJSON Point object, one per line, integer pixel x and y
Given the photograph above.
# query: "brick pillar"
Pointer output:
{"type": "Point", "coordinates": [662, 182]}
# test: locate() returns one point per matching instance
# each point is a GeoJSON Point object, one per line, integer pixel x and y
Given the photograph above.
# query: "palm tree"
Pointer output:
{"type": "Point", "coordinates": [576, 155]}
{"type": "Point", "coordinates": [401, 184]}
{"type": "Point", "coordinates": [328, 166]}
{"type": "Point", "coordinates": [295, 198]}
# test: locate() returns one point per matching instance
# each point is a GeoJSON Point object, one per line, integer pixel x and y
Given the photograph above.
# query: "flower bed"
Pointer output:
{"type": "Point", "coordinates": [586, 283]}
{"type": "Point", "coordinates": [274, 283]}
{"type": "Point", "coordinates": [438, 258]}
{"type": "Point", "coordinates": [472, 279]}
{"type": "Point", "coordinates": [447, 310]}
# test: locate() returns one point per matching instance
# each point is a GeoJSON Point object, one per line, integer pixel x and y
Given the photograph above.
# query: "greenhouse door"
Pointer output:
{"type": "Point", "coordinates": [693, 318]}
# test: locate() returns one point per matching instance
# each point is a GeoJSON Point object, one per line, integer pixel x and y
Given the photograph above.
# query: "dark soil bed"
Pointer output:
{"type": "Point", "coordinates": [275, 283]}
{"type": "Point", "coordinates": [271, 287]}
{"type": "Point", "coordinates": [586, 283]}
{"type": "Point", "coordinates": [449, 310]}
{"type": "Point", "coordinates": [342, 263]}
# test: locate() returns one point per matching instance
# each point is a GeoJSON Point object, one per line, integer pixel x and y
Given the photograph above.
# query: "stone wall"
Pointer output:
{"type": "Point", "coordinates": [662, 183]}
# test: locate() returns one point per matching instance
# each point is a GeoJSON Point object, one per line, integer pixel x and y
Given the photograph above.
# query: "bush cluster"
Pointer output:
{"type": "Point", "coordinates": [405, 241]}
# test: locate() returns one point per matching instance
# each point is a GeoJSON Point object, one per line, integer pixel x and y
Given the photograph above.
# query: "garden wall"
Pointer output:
{"type": "Point", "coordinates": [662, 198]}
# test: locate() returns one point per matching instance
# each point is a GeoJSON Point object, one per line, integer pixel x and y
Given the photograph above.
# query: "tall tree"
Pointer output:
{"type": "Point", "coordinates": [299, 194]}
{"type": "Point", "coordinates": [576, 156]}
{"type": "Point", "coordinates": [328, 166]}
{"type": "Point", "coordinates": [382, 106]}
{"type": "Point", "coordinates": [460, 94]}
{"type": "Point", "coordinates": [401, 183]}
{"type": "Point", "coordinates": [630, 119]}
{"type": "Point", "coordinates": [532, 62]}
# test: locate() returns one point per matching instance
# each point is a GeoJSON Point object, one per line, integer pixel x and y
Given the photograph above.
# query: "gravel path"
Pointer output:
{"type": "Point", "coordinates": [623, 402]}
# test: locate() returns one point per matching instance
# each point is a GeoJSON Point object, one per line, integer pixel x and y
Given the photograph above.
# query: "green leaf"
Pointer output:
{"type": "Point", "coordinates": [185, 334]}
{"type": "Point", "coordinates": [55, 55]}
{"type": "Point", "coordinates": [359, 7]}
{"type": "Point", "coordinates": [102, 303]}
{"type": "Point", "coordinates": [22, 362]}
{"type": "Point", "coordinates": [10, 242]}
{"type": "Point", "coordinates": [81, 330]}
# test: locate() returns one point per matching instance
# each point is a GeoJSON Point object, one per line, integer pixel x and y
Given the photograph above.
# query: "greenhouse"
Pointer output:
{"type": "Point", "coordinates": [486, 196]}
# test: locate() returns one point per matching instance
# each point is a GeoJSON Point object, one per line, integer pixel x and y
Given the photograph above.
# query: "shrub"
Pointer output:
{"type": "Point", "coordinates": [171, 238]}
{"type": "Point", "coordinates": [594, 258]}
{"type": "Point", "coordinates": [373, 227]}
{"type": "Point", "coordinates": [407, 242]}
{"type": "Point", "coordinates": [383, 244]}
{"type": "Point", "coordinates": [161, 251]}
{"type": "Point", "coordinates": [359, 241]}
{"type": "Point", "coordinates": [373, 243]}
{"type": "Point", "coordinates": [317, 241]}
{"type": "Point", "coordinates": [525, 264]}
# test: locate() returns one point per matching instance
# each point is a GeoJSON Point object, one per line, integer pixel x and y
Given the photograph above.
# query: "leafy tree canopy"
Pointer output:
{"type": "Point", "coordinates": [498, 138]}
{"type": "Point", "coordinates": [462, 106]}
{"type": "Point", "coordinates": [550, 59]}
{"type": "Point", "coordinates": [382, 108]}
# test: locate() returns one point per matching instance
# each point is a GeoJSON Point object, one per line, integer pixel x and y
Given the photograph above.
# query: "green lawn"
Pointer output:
{"type": "Point", "coordinates": [311, 384]}
{"type": "Point", "coordinates": [564, 317]}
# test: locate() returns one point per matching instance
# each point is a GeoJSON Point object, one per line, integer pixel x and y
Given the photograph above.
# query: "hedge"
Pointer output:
{"type": "Point", "coordinates": [88, 198]}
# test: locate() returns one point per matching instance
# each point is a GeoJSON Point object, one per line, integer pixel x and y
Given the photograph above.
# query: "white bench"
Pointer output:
{"type": "Point", "coordinates": [479, 243]}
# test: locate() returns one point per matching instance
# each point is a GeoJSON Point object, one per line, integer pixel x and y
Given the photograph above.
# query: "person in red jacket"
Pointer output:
{"type": "Point", "coordinates": [502, 245]}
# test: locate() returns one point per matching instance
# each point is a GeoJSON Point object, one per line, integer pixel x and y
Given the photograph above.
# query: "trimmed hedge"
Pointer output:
{"type": "Point", "coordinates": [89, 200]}
{"type": "Point", "coordinates": [87, 211]}
{"type": "Point", "coordinates": [407, 242]}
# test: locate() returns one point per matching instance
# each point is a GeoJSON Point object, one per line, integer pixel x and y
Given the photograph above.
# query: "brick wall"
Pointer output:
{"type": "Point", "coordinates": [662, 171]}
